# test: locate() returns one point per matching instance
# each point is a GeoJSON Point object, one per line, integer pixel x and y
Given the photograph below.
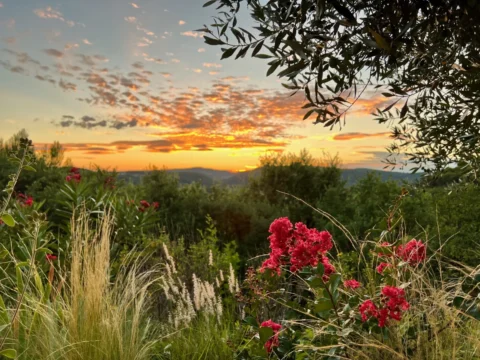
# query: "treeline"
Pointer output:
{"type": "Point", "coordinates": [446, 214]}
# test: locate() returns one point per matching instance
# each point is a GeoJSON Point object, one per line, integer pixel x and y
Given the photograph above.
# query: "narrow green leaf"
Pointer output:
{"type": "Point", "coordinates": [228, 52]}
{"type": "Point", "coordinates": [296, 67]}
{"type": "Point", "coordinates": [208, 3]}
{"type": "Point", "coordinates": [9, 353]}
{"type": "Point", "coordinates": [263, 56]}
{"type": "Point", "coordinates": [297, 47]}
{"type": "Point", "coordinates": [273, 67]}
{"type": "Point", "coordinates": [380, 40]}
{"type": "Point", "coordinates": [8, 220]}
{"type": "Point", "coordinates": [257, 49]}
{"type": "Point", "coordinates": [307, 115]}
{"type": "Point", "coordinates": [342, 10]}
{"type": "Point", "coordinates": [242, 52]}
{"type": "Point", "coordinates": [212, 41]}
{"type": "Point", "coordinates": [29, 168]}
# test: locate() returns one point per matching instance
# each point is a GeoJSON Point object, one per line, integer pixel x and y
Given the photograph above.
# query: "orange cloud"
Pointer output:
{"type": "Point", "coordinates": [359, 135]}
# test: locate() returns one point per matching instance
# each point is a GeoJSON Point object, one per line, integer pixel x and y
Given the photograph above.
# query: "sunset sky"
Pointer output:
{"type": "Point", "coordinates": [130, 84]}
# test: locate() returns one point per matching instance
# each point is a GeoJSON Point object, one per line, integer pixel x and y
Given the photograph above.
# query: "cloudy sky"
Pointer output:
{"type": "Point", "coordinates": [130, 84]}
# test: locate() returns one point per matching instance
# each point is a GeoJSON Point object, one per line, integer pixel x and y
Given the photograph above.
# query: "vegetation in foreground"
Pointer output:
{"type": "Point", "coordinates": [94, 276]}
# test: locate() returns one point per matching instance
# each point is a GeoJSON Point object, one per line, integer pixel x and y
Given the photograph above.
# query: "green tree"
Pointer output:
{"type": "Point", "coordinates": [423, 55]}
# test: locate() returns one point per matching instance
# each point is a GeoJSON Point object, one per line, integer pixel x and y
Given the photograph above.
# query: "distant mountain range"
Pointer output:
{"type": "Point", "coordinates": [208, 177]}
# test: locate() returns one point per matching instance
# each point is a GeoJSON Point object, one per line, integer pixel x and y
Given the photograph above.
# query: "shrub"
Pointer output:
{"type": "Point", "coordinates": [400, 310]}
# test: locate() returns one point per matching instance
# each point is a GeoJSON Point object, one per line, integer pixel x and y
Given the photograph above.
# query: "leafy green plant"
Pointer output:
{"type": "Point", "coordinates": [396, 308]}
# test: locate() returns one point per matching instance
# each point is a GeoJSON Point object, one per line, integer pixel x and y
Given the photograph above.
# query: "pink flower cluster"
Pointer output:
{"type": "Point", "coordinates": [74, 175]}
{"type": "Point", "coordinates": [299, 247]}
{"type": "Point", "coordinates": [413, 252]}
{"type": "Point", "coordinates": [273, 341]}
{"type": "Point", "coordinates": [393, 304]}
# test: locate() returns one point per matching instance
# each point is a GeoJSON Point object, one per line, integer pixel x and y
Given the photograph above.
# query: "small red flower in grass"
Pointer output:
{"type": "Point", "coordinates": [273, 341]}
{"type": "Point", "coordinates": [413, 252]}
{"type": "Point", "coordinates": [155, 205]}
{"type": "Point", "coordinates": [51, 257]}
{"type": "Point", "coordinates": [394, 303]}
{"type": "Point", "coordinates": [367, 310]}
{"type": "Point", "coordinates": [74, 175]}
{"type": "Point", "coordinates": [25, 200]}
{"type": "Point", "coordinates": [351, 284]}
{"type": "Point", "coordinates": [381, 267]}
{"type": "Point", "coordinates": [145, 203]}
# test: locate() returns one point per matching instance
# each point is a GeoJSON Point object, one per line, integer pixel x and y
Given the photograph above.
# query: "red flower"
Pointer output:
{"type": "Point", "coordinates": [281, 234]}
{"type": "Point", "coordinates": [329, 268]}
{"type": "Point", "coordinates": [25, 200]}
{"type": "Point", "coordinates": [273, 262]}
{"type": "Point", "coordinates": [145, 204]}
{"type": "Point", "coordinates": [394, 303]}
{"type": "Point", "coordinates": [368, 309]}
{"type": "Point", "coordinates": [50, 257]}
{"type": "Point", "coordinates": [1, 222]}
{"type": "Point", "coordinates": [28, 201]}
{"type": "Point", "coordinates": [155, 205]}
{"type": "Point", "coordinates": [304, 246]}
{"type": "Point", "coordinates": [74, 175]}
{"type": "Point", "coordinates": [281, 231]}
{"type": "Point", "coordinates": [273, 341]}
{"type": "Point", "coordinates": [381, 267]}
{"type": "Point", "coordinates": [308, 247]}
{"type": "Point", "coordinates": [351, 284]}
{"type": "Point", "coordinates": [414, 252]}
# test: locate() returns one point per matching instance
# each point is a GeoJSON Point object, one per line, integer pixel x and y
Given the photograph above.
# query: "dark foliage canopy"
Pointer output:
{"type": "Point", "coordinates": [423, 54]}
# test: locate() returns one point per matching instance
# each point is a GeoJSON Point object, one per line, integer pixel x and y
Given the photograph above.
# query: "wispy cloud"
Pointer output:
{"type": "Point", "coordinates": [51, 13]}
{"type": "Point", "coordinates": [181, 22]}
{"type": "Point", "coordinates": [135, 5]}
{"type": "Point", "coordinates": [359, 135]}
{"type": "Point", "coordinates": [201, 50]}
{"type": "Point", "coordinates": [130, 19]}
{"type": "Point", "coordinates": [86, 42]}
{"type": "Point", "coordinates": [212, 65]}
{"type": "Point", "coordinates": [193, 34]}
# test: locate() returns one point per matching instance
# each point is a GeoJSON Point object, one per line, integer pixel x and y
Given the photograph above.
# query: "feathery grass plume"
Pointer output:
{"type": "Point", "coordinates": [210, 258]}
{"type": "Point", "coordinates": [90, 317]}
{"type": "Point", "coordinates": [233, 286]}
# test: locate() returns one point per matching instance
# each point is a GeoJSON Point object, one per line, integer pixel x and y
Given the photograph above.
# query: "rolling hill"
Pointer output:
{"type": "Point", "coordinates": [208, 177]}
